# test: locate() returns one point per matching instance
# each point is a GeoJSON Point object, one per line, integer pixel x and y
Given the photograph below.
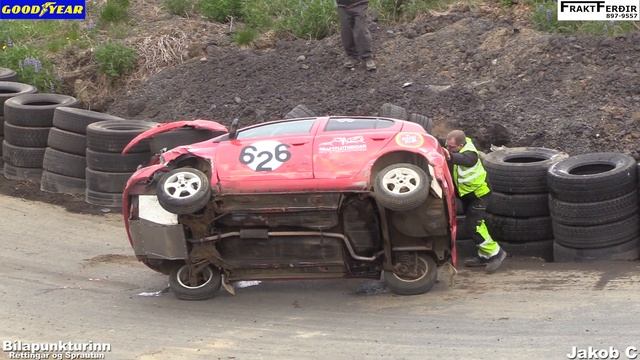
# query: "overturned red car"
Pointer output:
{"type": "Point", "coordinates": [321, 197]}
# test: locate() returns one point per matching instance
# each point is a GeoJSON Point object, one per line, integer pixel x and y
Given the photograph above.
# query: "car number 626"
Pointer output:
{"type": "Point", "coordinates": [265, 156]}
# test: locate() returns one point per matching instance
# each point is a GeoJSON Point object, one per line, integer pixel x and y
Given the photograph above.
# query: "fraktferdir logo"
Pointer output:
{"type": "Point", "coordinates": [42, 10]}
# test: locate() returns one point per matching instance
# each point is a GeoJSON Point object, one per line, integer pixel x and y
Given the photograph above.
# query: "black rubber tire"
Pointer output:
{"type": "Point", "coordinates": [424, 121]}
{"type": "Point", "coordinates": [106, 182]}
{"type": "Point", "coordinates": [401, 202]}
{"type": "Point", "coordinates": [595, 213]}
{"type": "Point", "coordinates": [202, 292]}
{"type": "Point", "coordinates": [76, 120]}
{"type": "Point", "coordinates": [178, 137]}
{"type": "Point", "coordinates": [35, 109]}
{"type": "Point", "coordinates": [26, 157]}
{"type": "Point", "coordinates": [10, 89]}
{"type": "Point", "coordinates": [413, 287]}
{"type": "Point", "coordinates": [8, 74]}
{"type": "Point", "coordinates": [518, 205]}
{"type": "Point", "coordinates": [628, 251]}
{"type": "Point", "coordinates": [114, 162]}
{"type": "Point", "coordinates": [598, 236]}
{"type": "Point", "coordinates": [63, 163]}
{"type": "Point", "coordinates": [21, 173]}
{"type": "Point", "coordinates": [538, 249]}
{"type": "Point", "coordinates": [56, 183]}
{"type": "Point", "coordinates": [510, 173]}
{"type": "Point", "coordinates": [515, 230]}
{"type": "Point", "coordinates": [114, 135]}
{"type": "Point", "coordinates": [26, 136]}
{"type": "Point", "coordinates": [300, 111]}
{"type": "Point", "coordinates": [110, 200]}
{"type": "Point", "coordinates": [393, 111]}
{"type": "Point", "coordinates": [67, 141]}
{"type": "Point", "coordinates": [187, 205]}
{"type": "Point", "coordinates": [599, 186]}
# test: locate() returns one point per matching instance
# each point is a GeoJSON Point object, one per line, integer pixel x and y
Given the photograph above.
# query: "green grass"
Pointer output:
{"type": "Point", "coordinates": [115, 60]}
{"type": "Point", "coordinates": [245, 36]}
{"type": "Point", "coordinates": [220, 10]}
{"type": "Point", "coordinates": [178, 7]}
{"type": "Point", "coordinates": [114, 11]}
{"type": "Point", "coordinates": [31, 64]}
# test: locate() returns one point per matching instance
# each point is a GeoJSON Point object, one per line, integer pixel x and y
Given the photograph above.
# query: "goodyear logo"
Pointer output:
{"type": "Point", "coordinates": [42, 10]}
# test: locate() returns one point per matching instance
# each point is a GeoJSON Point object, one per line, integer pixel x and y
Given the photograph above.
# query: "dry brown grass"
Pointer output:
{"type": "Point", "coordinates": [160, 51]}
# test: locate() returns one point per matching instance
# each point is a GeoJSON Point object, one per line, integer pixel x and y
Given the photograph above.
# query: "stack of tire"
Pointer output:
{"type": "Point", "coordinates": [8, 90]}
{"type": "Point", "coordinates": [8, 75]}
{"type": "Point", "coordinates": [518, 210]}
{"type": "Point", "coordinates": [594, 207]}
{"type": "Point", "coordinates": [107, 169]}
{"type": "Point", "coordinates": [28, 119]}
{"type": "Point", "coordinates": [64, 159]}
{"type": "Point", "coordinates": [400, 113]}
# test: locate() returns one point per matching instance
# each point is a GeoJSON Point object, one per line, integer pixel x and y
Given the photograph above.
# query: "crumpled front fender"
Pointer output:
{"type": "Point", "coordinates": [163, 128]}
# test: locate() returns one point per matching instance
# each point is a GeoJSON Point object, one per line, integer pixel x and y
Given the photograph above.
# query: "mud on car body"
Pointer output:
{"type": "Point", "coordinates": [321, 197]}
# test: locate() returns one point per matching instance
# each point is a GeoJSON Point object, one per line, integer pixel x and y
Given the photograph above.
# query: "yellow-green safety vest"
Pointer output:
{"type": "Point", "coordinates": [471, 179]}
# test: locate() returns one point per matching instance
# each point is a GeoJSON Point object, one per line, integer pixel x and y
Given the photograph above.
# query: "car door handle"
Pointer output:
{"type": "Point", "coordinates": [299, 143]}
{"type": "Point", "coordinates": [374, 138]}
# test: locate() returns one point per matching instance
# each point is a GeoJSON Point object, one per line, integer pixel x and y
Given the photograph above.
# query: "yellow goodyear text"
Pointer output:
{"type": "Point", "coordinates": [47, 8]}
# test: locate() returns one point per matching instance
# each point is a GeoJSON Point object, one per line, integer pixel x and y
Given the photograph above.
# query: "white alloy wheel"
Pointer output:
{"type": "Point", "coordinates": [401, 181]}
{"type": "Point", "coordinates": [182, 185]}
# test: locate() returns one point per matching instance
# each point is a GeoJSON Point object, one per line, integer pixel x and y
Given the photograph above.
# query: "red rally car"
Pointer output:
{"type": "Point", "coordinates": [322, 197]}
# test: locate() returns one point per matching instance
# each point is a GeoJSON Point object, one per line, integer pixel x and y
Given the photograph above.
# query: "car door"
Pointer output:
{"type": "Point", "coordinates": [264, 157]}
{"type": "Point", "coordinates": [345, 145]}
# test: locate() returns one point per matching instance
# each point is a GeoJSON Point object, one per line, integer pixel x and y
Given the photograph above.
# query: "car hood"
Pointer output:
{"type": "Point", "coordinates": [162, 128]}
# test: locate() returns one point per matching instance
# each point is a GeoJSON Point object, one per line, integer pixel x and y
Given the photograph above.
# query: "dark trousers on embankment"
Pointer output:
{"type": "Point", "coordinates": [356, 38]}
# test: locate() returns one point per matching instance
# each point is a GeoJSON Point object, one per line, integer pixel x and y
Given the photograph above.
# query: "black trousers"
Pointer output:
{"type": "Point", "coordinates": [355, 35]}
{"type": "Point", "coordinates": [475, 210]}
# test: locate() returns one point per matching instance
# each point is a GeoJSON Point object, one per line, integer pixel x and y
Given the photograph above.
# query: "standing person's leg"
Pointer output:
{"type": "Point", "coordinates": [489, 252]}
{"type": "Point", "coordinates": [346, 34]}
{"type": "Point", "coordinates": [362, 36]}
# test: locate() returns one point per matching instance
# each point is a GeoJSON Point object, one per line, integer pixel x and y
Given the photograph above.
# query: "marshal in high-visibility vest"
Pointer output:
{"type": "Point", "coordinates": [470, 179]}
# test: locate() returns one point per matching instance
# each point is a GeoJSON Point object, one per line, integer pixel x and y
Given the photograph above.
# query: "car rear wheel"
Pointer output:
{"type": "Point", "coordinates": [415, 274]}
{"type": "Point", "coordinates": [187, 285]}
{"type": "Point", "coordinates": [183, 191]}
{"type": "Point", "coordinates": [401, 187]}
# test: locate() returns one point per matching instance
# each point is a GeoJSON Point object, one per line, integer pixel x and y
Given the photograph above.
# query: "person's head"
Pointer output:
{"type": "Point", "coordinates": [456, 140]}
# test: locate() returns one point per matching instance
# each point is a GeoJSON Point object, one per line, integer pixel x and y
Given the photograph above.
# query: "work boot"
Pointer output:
{"type": "Point", "coordinates": [370, 64]}
{"type": "Point", "coordinates": [495, 261]}
{"type": "Point", "coordinates": [349, 64]}
{"type": "Point", "coordinates": [476, 261]}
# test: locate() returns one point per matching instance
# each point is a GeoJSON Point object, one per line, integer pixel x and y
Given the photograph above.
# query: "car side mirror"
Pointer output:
{"type": "Point", "coordinates": [233, 129]}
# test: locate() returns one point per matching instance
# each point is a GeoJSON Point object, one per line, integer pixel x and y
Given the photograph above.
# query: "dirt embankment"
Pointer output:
{"type": "Point", "coordinates": [491, 75]}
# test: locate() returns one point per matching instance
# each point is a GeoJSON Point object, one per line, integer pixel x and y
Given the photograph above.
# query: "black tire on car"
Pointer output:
{"type": "Point", "coordinates": [202, 286]}
{"type": "Point", "coordinates": [183, 191]}
{"type": "Point", "coordinates": [56, 183]}
{"type": "Point", "coordinates": [26, 157]}
{"type": "Point", "coordinates": [35, 110]}
{"type": "Point", "coordinates": [63, 163]}
{"type": "Point", "coordinates": [115, 162]}
{"type": "Point", "coordinates": [393, 111]}
{"type": "Point", "coordinates": [106, 182]}
{"type": "Point", "coordinates": [9, 89]}
{"type": "Point", "coordinates": [8, 74]}
{"type": "Point", "coordinates": [518, 205]}
{"type": "Point", "coordinates": [628, 251]}
{"type": "Point", "coordinates": [77, 120]}
{"type": "Point", "coordinates": [594, 213]}
{"type": "Point", "coordinates": [178, 137]}
{"type": "Point", "coordinates": [401, 187]}
{"type": "Point", "coordinates": [67, 141]}
{"type": "Point", "coordinates": [520, 170]}
{"type": "Point", "coordinates": [593, 177]}
{"type": "Point", "coordinates": [426, 277]}
{"type": "Point", "coordinates": [423, 121]}
{"type": "Point", "coordinates": [519, 230]}
{"type": "Point", "coordinates": [26, 136]}
{"type": "Point", "coordinates": [114, 135]}
{"type": "Point", "coordinates": [300, 111]}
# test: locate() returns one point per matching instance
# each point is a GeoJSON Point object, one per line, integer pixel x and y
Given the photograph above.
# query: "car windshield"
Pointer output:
{"type": "Point", "coordinates": [280, 128]}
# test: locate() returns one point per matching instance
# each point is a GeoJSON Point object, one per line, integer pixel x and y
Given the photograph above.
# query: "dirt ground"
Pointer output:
{"type": "Point", "coordinates": [73, 277]}
{"type": "Point", "coordinates": [488, 73]}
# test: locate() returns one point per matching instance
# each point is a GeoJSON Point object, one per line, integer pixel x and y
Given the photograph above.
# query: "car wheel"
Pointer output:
{"type": "Point", "coordinates": [401, 187]}
{"type": "Point", "coordinates": [420, 276]}
{"type": "Point", "coordinates": [202, 286]}
{"type": "Point", "coordinates": [183, 191]}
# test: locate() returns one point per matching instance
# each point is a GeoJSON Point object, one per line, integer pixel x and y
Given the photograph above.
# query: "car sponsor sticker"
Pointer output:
{"type": "Point", "coordinates": [409, 139]}
{"type": "Point", "coordinates": [343, 144]}
{"type": "Point", "coordinates": [267, 155]}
